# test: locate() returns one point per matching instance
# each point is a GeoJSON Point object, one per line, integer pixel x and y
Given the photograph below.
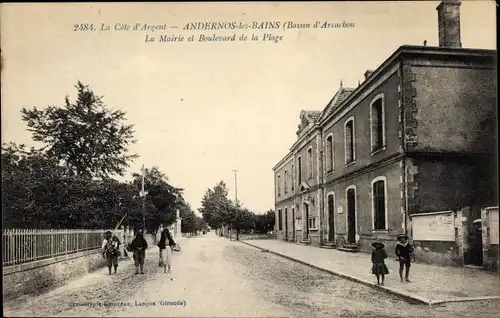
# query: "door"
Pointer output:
{"type": "Point", "coordinates": [293, 224]}
{"type": "Point", "coordinates": [351, 216]}
{"type": "Point", "coordinates": [306, 213]}
{"type": "Point", "coordinates": [475, 252]}
{"type": "Point", "coordinates": [286, 224]}
{"type": "Point", "coordinates": [331, 218]}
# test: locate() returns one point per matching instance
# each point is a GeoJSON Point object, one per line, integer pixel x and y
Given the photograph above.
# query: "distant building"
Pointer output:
{"type": "Point", "coordinates": [418, 135]}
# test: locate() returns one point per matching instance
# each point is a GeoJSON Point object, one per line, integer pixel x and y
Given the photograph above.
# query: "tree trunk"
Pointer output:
{"type": "Point", "coordinates": [237, 234]}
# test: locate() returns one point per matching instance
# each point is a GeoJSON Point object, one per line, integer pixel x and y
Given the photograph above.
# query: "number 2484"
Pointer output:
{"type": "Point", "coordinates": [83, 27]}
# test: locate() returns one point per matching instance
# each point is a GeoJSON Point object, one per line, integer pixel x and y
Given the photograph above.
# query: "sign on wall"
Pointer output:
{"type": "Point", "coordinates": [340, 210]}
{"type": "Point", "coordinates": [433, 227]}
{"type": "Point", "coordinates": [493, 218]}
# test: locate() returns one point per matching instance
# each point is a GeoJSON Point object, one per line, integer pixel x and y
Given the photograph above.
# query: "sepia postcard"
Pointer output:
{"type": "Point", "coordinates": [250, 159]}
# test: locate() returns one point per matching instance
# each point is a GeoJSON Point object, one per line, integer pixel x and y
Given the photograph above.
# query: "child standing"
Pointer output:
{"type": "Point", "coordinates": [404, 252]}
{"type": "Point", "coordinates": [166, 245]}
{"type": "Point", "coordinates": [379, 268]}
{"type": "Point", "coordinates": [138, 247]}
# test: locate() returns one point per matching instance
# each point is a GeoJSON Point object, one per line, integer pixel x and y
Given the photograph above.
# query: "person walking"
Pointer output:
{"type": "Point", "coordinates": [404, 253]}
{"type": "Point", "coordinates": [138, 247]}
{"type": "Point", "coordinates": [379, 269]}
{"type": "Point", "coordinates": [110, 250]}
{"type": "Point", "coordinates": [166, 246]}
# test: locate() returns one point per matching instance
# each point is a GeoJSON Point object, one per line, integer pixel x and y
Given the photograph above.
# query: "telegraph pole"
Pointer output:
{"type": "Point", "coordinates": [236, 196]}
{"type": "Point", "coordinates": [142, 194]}
{"type": "Point", "coordinates": [235, 187]}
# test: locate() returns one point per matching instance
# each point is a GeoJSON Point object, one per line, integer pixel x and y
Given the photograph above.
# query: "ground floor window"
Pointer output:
{"type": "Point", "coordinates": [280, 220]}
{"type": "Point", "coordinates": [312, 223]}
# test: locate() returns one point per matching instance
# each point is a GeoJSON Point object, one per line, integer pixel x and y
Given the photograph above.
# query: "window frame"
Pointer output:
{"type": "Point", "coordinates": [280, 221]}
{"type": "Point", "coordinates": [372, 198]}
{"type": "Point", "coordinates": [382, 147]}
{"type": "Point", "coordinates": [310, 160]}
{"type": "Point", "coordinates": [330, 153]}
{"type": "Point", "coordinates": [353, 145]}
{"type": "Point", "coordinates": [278, 184]}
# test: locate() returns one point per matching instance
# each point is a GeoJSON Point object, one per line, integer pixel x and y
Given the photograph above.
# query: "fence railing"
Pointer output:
{"type": "Point", "coordinates": [28, 245]}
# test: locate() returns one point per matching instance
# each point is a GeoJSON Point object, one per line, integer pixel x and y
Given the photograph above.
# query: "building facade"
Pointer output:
{"type": "Point", "coordinates": [418, 135]}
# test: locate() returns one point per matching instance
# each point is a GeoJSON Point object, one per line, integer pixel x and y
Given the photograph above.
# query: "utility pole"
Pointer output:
{"type": "Point", "coordinates": [142, 194]}
{"type": "Point", "coordinates": [236, 196]}
{"type": "Point", "coordinates": [235, 187]}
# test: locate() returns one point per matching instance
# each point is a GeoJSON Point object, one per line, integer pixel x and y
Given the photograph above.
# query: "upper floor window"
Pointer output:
{"type": "Point", "coordinates": [299, 170]}
{"type": "Point", "coordinates": [292, 177]}
{"type": "Point", "coordinates": [329, 154]}
{"type": "Point", "coordinates": [377, 123]}
{"type": "Point", "coordinates": [279, 185]}
{"type": "Point", "coordinates": [285, 181]}
{"type": "Point", "coordinates": [310, 162]}
{"type": "Point", "coordinates": [379, 203]}
{"type": "Point", "coordinates": [350, 141]}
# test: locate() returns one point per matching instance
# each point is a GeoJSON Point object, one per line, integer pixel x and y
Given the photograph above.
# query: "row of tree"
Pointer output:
{"type": "Point", "coordinates": [70, 181]}
{"type": "Point", "coordinates": [219, 211]}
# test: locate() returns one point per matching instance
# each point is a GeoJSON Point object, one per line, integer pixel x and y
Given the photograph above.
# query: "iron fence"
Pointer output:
{"type": "Point", "coordinates": [28, 245]}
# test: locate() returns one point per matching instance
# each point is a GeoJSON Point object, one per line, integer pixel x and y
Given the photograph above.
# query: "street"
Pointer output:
{"type": "Point", "coordinates": [213, 276]}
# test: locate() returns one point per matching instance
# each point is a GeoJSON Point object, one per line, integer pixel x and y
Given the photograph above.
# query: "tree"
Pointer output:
{"type": "Point", "coordinates": [189, 221]}
{"type": "Point", "coordinates": [265, 222]}
{"type": "Point", "coordinates": [89, 138]}
{"type": "Point", "coordinates": [164, 199]}
{"type": "Point", "coordinates": [215, 206]}
{"type": "Point", "coordinates": [40, 193]}
{"type": "Point", "coordinates": [241, 219]}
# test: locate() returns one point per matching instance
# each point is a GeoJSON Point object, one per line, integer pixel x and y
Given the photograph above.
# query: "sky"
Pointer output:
{"type": "Point", "coordinates": [203, 109]}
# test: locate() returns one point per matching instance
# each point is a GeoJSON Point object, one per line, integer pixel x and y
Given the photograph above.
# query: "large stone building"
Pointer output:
{"type": "Point", "coordinates": [418, 135]}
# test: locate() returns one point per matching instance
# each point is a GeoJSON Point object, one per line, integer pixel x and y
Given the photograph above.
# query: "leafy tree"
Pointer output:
{"type": "Point", "coordinates": [163, 198]}
{"type": "Point", "coordinates": [29, 178]}
{"type": "Point", "coordinates": [189, 222]}
{"type": "Point", "coordinates": [39, 193]}
{"type": "Point", "coordinates": [265, 222]}
{"type": "Point", "coordinates": [89, 138]}
{"type": "Point", "coordinates": [215, 206]}
{"type": "Point", "coordinates": [241, 219]}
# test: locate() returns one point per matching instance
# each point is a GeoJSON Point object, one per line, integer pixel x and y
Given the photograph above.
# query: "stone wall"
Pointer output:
{"type": "Point", "coordinates": [38, 276]}
{"type": "Point", "coordinates": [491, 251]}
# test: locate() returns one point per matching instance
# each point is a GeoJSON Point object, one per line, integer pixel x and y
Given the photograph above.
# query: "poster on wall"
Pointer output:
{"type": "Point", "coordinates": [433, 227]}
{"type": "Point", "coordinates": [493, 218]}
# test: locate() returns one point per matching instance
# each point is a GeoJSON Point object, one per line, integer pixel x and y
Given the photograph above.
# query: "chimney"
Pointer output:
{"type": "Point", "coordinates": [449, 23]}
{"type": "Point", "coordinates": [368, 73]}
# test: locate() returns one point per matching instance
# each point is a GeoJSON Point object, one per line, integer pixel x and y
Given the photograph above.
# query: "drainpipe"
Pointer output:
{"type": "Point", "coordinates": [403, 148]}
{"type": "Point", "coordinates": [321, 190]}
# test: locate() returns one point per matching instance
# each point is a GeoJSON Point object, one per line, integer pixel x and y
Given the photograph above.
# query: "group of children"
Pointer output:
{"type": "Point", "coordinates": [138, 246]}
{"type": "Point", "coordinates": [404, 253]}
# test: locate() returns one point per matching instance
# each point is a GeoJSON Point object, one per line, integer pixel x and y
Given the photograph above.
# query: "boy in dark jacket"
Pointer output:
{"type": "Point", "coordinates": [404, 252]}
{"type": "Point", "coordinates": [138, 247]}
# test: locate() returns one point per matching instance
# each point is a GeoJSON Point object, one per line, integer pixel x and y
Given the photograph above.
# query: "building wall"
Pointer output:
{"type": "Point", "coordinates": [454, 108]}
{"type": "Point", "coordinates": [364, 219]}
{"type": "Point", "coordinates": [361, 114]}
{"type": "Point", "coordinates": [454, 182]}
{"type": "Point", "coordinates": [286, 222]}
{"type": "Point", "coordinates": [310, 142]}
{"type": "Point", "coordinates": [287, 192]}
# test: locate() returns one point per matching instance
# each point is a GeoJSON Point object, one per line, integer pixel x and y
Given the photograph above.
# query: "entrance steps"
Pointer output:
{"type": "Point", "coordinates": [329, 245]}
{"type": "Point", "coordinates": [305, 242]}
{"type": "Point", "coordinates": [351, 248]}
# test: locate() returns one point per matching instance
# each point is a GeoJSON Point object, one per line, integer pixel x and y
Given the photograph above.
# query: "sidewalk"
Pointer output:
{"type": "Point", "coordinates": [429, 284]}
